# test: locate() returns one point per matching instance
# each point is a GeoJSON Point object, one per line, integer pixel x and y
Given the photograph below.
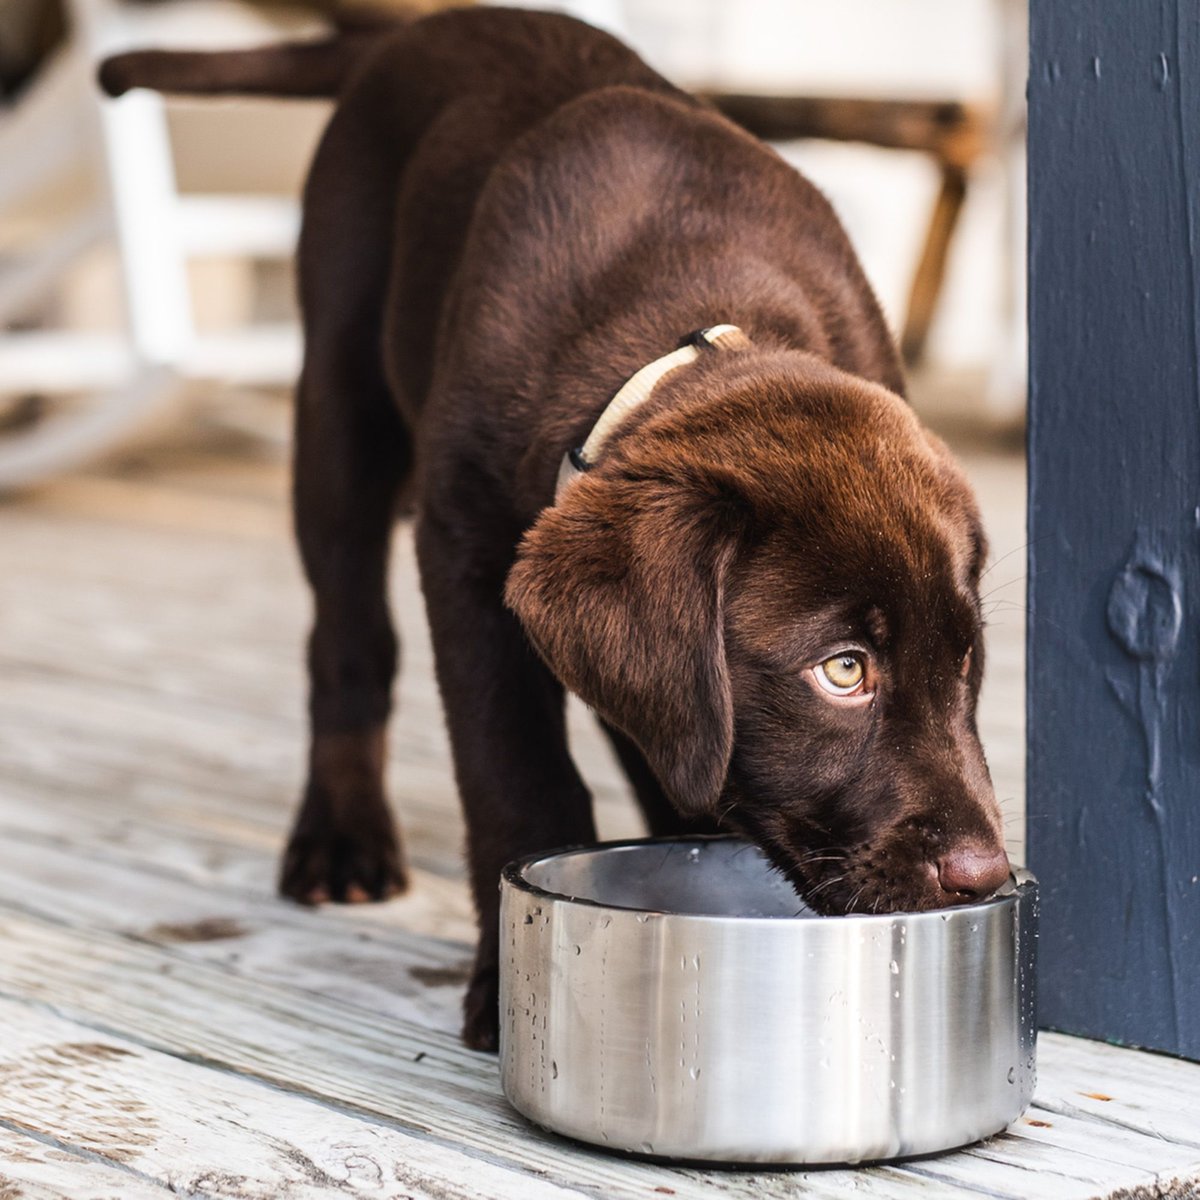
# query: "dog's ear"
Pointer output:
{"type": "Point", "coordinates": [620, 586]}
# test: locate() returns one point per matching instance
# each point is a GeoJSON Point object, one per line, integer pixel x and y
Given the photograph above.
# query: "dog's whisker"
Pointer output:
{"type": "Point", "coordinates": [995, 615]}
{"type": "Point", "coordinates": [827, 883]}
{"type": "Point", "coordinates": [817, 857]}
{"type": "Point", "coordinates": [1001, 586]}
{"type": "Point", "coordinates": [1004, 557]}
{"type": "Point", "coordinates": [1004, 602]}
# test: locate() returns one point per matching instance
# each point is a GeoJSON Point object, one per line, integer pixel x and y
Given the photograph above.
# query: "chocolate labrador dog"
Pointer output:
{"type": "Point", "coordinates": [520, 242]}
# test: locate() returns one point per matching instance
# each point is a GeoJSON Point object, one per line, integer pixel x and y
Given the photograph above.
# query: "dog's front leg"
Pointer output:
{"type": "Point", "coordinates": [520, 790]}
{"type": "Point", "coordinates": [352, 457]}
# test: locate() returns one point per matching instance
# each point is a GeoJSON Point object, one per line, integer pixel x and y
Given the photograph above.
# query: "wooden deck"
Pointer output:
{"type": "Point", "coordinates": [168, 1025]}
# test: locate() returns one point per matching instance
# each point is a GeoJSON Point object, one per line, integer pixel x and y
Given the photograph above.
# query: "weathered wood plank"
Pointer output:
{"type": "Point", "coordinates": [387, 971]}
{"type": "Point", "coordinates": [417, 1078]}
{"type": "Point", "coordinates": [198, 1131]}
{"type": "Point", "coordinates": [381, 968]}
{"type": "Point", "coordinates": [109, 736]}
{"type": "Point", "coordinates": [133, 660]}
{"type": "Point", "coordinates": [46, 1170]}
{"type": "Point", "coordinates": [222, 781]}
{"type": "Point", "coordinates": [146, 504]}
{"type": "Point", "coordinates": [1026, 1171]}
{"type": "Point", "coordinates": [378, 968]}
{"type": "Point", "coordinates": [281, 944]}
{"type": "Point", "coordinates": [1105, 1142]}
{"type": "Point", "coordinates": [1151, 1093]}
{"type": "Point", "coordinates": [224, 850]}
{"type": "Point", "coordinates": [428, 1082]}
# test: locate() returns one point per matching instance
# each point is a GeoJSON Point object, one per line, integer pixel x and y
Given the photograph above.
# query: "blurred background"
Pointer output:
{"type": "Point", "coordinates": [909, 116]}
{"type": "Point", "coordinates": [151, 610]}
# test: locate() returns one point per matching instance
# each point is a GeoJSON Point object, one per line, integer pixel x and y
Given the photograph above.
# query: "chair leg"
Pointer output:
{"type": "Point", "coordinates": [931, 269]}
{"type": "Point", "coordinates": [136, 151]}
{"type": "Point", "coordinates": [142, 191]}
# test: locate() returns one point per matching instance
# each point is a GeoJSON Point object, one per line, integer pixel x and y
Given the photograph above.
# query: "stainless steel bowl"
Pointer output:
{"type": "Point", "coordinates": [674, 998]}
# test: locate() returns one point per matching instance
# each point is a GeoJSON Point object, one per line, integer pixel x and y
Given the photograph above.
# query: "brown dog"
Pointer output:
{"type": "Point", "coordinates": [766, 584]}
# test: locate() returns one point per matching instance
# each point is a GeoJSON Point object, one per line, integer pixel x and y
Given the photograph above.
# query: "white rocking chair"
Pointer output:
{"type": "Point", "coordinates": [99, 387]}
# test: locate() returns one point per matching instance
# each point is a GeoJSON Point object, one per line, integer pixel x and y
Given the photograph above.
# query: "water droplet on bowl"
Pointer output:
{"type": "Point", "coordinates": [894, 967]}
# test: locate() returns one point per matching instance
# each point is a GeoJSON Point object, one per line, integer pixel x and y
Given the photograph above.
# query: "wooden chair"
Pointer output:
{"type": "Point", "coordinates": [98, 387]}
{"type": "Point", "coordinates": [958, 136]}
{"type": "Point", "coordinates": [954, 134]}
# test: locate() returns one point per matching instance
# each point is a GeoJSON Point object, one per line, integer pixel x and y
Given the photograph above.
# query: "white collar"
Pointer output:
{"type": "Point", "coordinates": [637, 390]}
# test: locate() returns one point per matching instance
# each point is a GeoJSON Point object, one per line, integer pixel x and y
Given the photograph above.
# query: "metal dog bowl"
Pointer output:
{"type": "Point", "coordinates": [674, 998]}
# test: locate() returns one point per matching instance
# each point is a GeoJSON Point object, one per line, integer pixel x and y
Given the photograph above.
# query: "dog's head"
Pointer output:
{"type": "Point", "coordinates": [772, 585]}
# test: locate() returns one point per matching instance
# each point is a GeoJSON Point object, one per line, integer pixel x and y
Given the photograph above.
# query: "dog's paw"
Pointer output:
{"type": "Point", "coordinates": [350, 858]}
{"type": "Point", "coordinates": [481, 1010]}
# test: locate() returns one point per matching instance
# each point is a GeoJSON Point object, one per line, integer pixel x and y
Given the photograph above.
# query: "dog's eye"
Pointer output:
{"type": "Point", "coordinates": [842, 675]}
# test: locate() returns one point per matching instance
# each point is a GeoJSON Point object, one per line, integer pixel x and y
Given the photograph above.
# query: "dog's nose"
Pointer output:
{"type": "Point", "coordinates": [971, 871]}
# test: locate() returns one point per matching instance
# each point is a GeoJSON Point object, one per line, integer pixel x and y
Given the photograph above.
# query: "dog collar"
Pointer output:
{"type": "Point", "coordinates": [636, 390]}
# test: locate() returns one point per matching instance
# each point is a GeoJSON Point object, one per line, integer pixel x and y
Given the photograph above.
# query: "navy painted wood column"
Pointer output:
{"type": "Point", "coordinates": [1114, 519]}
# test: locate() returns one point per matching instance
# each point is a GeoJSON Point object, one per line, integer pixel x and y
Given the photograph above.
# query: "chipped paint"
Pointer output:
{"type": "Point", "coordinates": [1145, 612]}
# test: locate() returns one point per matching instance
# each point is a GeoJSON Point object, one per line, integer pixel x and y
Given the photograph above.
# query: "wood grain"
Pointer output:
{"type": "Point", "coordinates": [199, 1131]}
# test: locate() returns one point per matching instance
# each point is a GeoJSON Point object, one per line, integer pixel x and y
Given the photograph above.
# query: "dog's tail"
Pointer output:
{"type": "Point", "coordinates": [299, 69]}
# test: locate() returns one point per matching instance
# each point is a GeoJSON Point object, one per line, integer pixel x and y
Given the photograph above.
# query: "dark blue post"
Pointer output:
{"type": "Point", "coordinates": [1114, 516]}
